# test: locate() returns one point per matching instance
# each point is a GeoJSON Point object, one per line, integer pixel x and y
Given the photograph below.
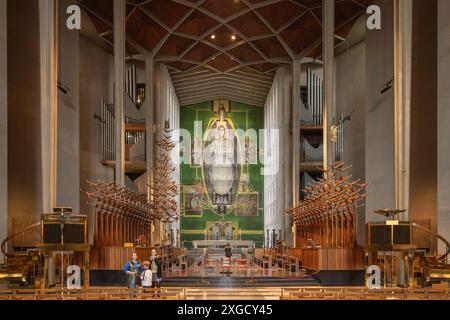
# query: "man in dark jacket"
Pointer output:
{"type": "Point", "coordinates": [228, 251]}
{"type": "Point", "coordinates": [156, 267]}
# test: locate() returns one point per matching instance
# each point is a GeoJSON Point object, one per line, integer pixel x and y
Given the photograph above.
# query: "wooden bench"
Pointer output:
{"type": "Point", "coordinates": [292, 263]}
{"type": "Point", "coordinates": [267, 261]}
{"type": "Point", "coordinates": [6, 294]}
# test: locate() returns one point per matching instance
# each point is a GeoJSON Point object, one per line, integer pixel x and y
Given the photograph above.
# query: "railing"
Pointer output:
{"type": "Point", "coordinates": [363, 294]}
{"type": "Point", "coordinates": [11, 237]}
{"type": "Point", "coordinates": [94, 294]}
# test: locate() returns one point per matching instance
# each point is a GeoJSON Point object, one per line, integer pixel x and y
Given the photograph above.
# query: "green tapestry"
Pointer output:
{"type": "Point", "coordinates": [222, 185]}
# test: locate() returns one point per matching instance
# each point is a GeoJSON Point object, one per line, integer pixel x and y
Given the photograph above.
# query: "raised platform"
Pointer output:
{"type": "Point", "coordinates": [118, 278]}
{"type": "Point", "coordinates": [223, 244]}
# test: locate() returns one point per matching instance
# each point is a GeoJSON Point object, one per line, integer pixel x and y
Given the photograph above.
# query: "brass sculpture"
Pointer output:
{"type": "Point", "coordinates": [164, 188]}
{"type": "Point", "coordinates": [327, 214]}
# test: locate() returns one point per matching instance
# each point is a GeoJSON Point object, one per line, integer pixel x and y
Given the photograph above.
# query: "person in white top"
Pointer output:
{"type": "Point", "coordinates": [146, 275]}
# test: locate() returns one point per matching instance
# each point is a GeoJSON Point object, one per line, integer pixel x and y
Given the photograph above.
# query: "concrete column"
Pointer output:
{"type": "Point", "coordinates": [119, 89]}
{"type": "Point", "coordinates": [424, 117]}
{"type": "Point", "coordinates": [48, 14]}
{"type": "Point", "coordinates": [149, 121]}
{"type": "Point", "coordinates": [3, 123]}
{"type": "Point", "coordinates": [328, 12]}
{"type": "Point", "coordinates": [68, 192]}
{"type": "Point", "coordinates": [379, 116]}
{"type": "Point", "coordinates": [296, 71]}
{"type": "Point", "coordinates": [283, 101]}
{"type": "Point", "coordinates": [402, 99]}
{"type": "Point", "coordinates": [295, 158]}
{"type": "Point", "coordinates": [443, 119]}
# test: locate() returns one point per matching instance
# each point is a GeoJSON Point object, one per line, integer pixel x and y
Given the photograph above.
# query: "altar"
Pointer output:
{"type": "Point", "coordinates": [223, 244]}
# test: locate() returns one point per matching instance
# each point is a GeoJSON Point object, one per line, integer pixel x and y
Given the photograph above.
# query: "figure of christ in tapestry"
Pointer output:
{"type": "Point", "coordinates": [221, 164]}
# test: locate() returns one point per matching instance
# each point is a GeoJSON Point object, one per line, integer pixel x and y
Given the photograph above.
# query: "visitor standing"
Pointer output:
{"type": "Point", "coordinates": [133, 269]}
{"type": "Point", "coordinates": [228, 251]}
{"type": "Point", "coordinates": [146, 276]}
{"type": "Point", "coordinates": [156, 268]}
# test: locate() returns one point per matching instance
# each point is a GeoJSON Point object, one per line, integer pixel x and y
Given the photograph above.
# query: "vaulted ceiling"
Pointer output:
{"type": "Point", "coordinates": [224, 49]}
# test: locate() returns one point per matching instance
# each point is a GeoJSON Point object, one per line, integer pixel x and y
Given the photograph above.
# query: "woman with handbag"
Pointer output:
{"type": "Point", "coordinates": [133, 269]}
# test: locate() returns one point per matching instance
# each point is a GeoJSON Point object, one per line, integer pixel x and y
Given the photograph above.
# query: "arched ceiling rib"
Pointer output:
{"type": "Point", "coordinates": [228, 49]}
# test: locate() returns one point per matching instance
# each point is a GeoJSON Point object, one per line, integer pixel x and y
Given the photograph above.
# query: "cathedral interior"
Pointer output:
{"type": "Point", "coordinates": [299, 147]}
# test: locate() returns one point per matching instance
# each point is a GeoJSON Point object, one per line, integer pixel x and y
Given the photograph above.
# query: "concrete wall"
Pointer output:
{"type": "Point", "coordinates": [68, 183]}
{"type": "Point", "coordinates": [350, 86]}
{"type": "Point", "coordinates": [96, 80]}
{"type": "Point", "coordinates": [443, 119]}
{"type": "Point", "coordinates": [24, 154]}
{"type": "Point", "coordinates": [379, 116]}
{"type": "Point", "coordinates": [423, 160]}
{"type": "Point", "coordinates": [3, 123]}
{"type": "Point", "coordinates": [277, 153]}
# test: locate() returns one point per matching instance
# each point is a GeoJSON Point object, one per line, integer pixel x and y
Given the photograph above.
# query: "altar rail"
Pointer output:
{"type": "Point", "coordinates": [323, 258]}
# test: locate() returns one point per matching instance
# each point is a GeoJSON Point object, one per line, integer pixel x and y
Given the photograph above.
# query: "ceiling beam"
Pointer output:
{"type": "Point", "coordinates": [175, 27]}
{"type": "Point", "coordinates": [221, 78]}
{"type": "Point", "coordinates": [221, 85]}
{"type": "Point", "coordinates": [215, 94]}
{"type": "Point", "coordinates": [221, 96]}
{"type": "Point", "coordinates": [221, 90]}
{"type": "Point", "coordinates": [231, 76]}
{"type": "Point", "coordinates": [267, 24]}
{"type": "Point", "coordinates": [318, 42]}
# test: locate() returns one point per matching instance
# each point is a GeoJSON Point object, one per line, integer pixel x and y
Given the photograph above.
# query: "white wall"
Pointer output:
{"type": "Point", "coordinates": [379, 117]}
{"type": "Point", "coordinates": [68, 184]}
{"type": "Point", "coordinates": [350, 86]}
{"type": "Point", "coordinates": [443, 120]}
{"type": "Point", "coordinates": [96, 80]}
{"type": "Point", "coordinates": [277, 154]}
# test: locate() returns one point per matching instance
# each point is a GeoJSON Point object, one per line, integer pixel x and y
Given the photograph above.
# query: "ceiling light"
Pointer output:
{"type": "Point", "coordinates": [213, 36]}
{"type": "Point", "coordinates": [233, 37]}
